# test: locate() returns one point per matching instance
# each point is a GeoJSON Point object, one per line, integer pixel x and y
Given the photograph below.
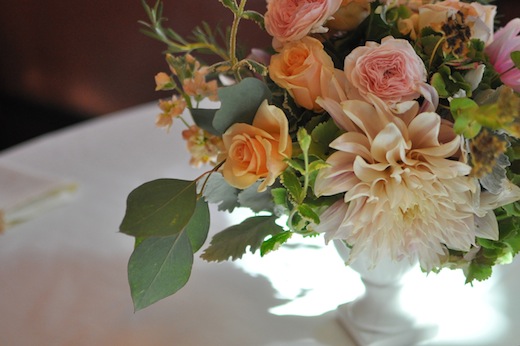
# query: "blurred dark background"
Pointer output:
{"type": "Point", "coordinates": [62, 62]}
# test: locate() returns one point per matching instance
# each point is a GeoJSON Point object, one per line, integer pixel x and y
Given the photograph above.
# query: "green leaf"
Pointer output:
{"type": "Point", "coordinates": [438, 83]}
{"type": "Point", "coordinates": [515, 56]}
{"type": "Point", "coordinates": [256, 201]}
{"type": "Point", "coordinates": [239, 103]}
{"type": "Point", "coordinates": [292, 183]}
{"type": "Point", "coordinates": [279, 196]}
{"type": "Point", "coordinates": [255, 17]}
{"type": "Point", "coordinates": [234, 241]}
{"type": "Point", "coordinates": [204, 119]}
{"type": "Point", "coordinates": [218, 191]}
{"type": "Point", "coordinates": [479, 272]}
{"type": "Point", "coordinates": [161, 207]}
{"type": "Point", "coordinates": [231, 4]}
{"type": "Point", "coordinates": [198, 226]}
{"type": "Point", "coordinates": [317, 165]}
{"type": "Point", "coordinates": [158, 268]}
{"type": "Point", "coordinates": [274, 242]}
{"type": "Point", "coordinates": [307, 213]}
{"type": "Point", "coordinates": [304, 139]}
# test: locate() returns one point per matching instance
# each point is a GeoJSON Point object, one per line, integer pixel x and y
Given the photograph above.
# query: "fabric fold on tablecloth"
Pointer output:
{"type": "Point", "coordinates": [24, 195]}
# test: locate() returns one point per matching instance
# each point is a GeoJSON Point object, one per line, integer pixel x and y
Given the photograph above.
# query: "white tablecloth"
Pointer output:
{"type": "Point", "coordinates": [63, 273]}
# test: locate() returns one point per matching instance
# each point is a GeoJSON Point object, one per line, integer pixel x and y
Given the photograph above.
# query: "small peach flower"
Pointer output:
{"type": "Point", "coordinates": [291, 20]}
{"type": "Point", "coordinates": [171, 109]}
{"type": "Point", "coordinates": [203, 146]}
{"type": "Point", "coordinates": [389, 74]}
{"type": "Point", "coordinates": [407, 189]}
{"type": "Point", "coordinates": [257, 151]}
{"type": "Point", "coordinates": [199, 88]}
{"type": "Point", "coordinates": [162, 81]}
{"type": "Point", "coordinates": [306, 71]}
{"type": "Point", "coordinates": [507, 40]}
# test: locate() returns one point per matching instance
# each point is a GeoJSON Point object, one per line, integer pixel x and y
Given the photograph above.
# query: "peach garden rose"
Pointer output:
{"type": "Point", "coordinates": [390, 75]}
{"type": "Point", "coordinates": [257, 151]}
{"type": "Point", "coordinates": [305, 70]}
{"type": "Point", "coordinates": [291, 20]}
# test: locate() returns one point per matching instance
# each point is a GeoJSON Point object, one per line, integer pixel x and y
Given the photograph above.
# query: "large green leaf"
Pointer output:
{"type": "Point", "coordinates": [204, 119]}
{"type": "Point", "coordinates": [198, 226]}
{"type": "Point", "coordinates": [161, 207]}
{"type": "Point", "coordinates": [159, 267]}
{"type": "Point", "coordinates": [234, 241]}
{"type": "Point", "coordinates": [239, 103]}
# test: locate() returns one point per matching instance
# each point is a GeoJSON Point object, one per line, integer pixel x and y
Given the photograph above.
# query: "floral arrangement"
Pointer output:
{"type": "Point", "coordinates": [392, 125]}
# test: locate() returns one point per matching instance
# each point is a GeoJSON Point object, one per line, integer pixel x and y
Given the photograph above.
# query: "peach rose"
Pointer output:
{"type": "Point", "coordinates": [479, 17]}
{"type": "Point", "coordinates": [305, 70]}
{"type": "Point", "coordinates": [390, 75]}
{"type": "Point", "coordinates": [291, 20]}
{"type": "Point", "coordinates": [257, 151]}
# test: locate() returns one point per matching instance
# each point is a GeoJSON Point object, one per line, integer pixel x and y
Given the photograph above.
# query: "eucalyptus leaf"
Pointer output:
{"type": "Point", "coordinates": [161, 207]}
{"type": "Point", "coordinates": [204, 119]}
{"type": "Point", "coordinates": [198, 226]}
{"type": "Point", "coordinates": [234, 241]}
{"type": "Point", "coordinates": [159, 267]}
{"type": "Point", "coordinates": [239, 103]}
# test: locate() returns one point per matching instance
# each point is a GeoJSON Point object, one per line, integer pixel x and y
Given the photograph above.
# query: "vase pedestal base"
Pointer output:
{"type": "Point", "coordinates": [410, 334]}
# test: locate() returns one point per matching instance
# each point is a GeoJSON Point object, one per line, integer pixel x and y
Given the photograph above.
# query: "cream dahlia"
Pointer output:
{"type": "Point", "coordinates": [407, 193]}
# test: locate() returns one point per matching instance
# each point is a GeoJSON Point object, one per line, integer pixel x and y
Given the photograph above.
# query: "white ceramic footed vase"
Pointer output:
{"type": "Point", "coordinates": [377, 318]}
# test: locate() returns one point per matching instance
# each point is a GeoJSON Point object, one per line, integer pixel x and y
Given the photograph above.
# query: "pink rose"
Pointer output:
{"type": "Point", "coordinates": [389, 74]}
{"type": "Point", "coordinates": [506, 41]}
{"type": "Point", "coordinates": [257, 151]}
{"type": "Point", "coordinates": [305, 70]}
{"type": "Point", "coordinates": [479, 17]}
{"type": "Point", "coordinates": [291, 20]}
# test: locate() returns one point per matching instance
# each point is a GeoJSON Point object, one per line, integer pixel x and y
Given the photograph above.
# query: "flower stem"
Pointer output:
{"type": "Point", "coordinates": [233, 36]}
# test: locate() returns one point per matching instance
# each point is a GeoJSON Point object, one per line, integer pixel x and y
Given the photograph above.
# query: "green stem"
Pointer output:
{"type": "Point", "coordinates": [233, 35]}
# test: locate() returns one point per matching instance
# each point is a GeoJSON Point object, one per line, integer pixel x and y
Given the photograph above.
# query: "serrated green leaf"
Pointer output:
{"type": "Point", "coordinates": [161, 207]}
{"type": "Point", "coordinates": [274, 242]}
{"type": "Point", "coordinates": [317, 165]}
{"type": "Point", "coordinates": [158, 268]}
{"type": "Point", "coordinates": [255, 17]}
{"type": "Point", "coordinates": [231, 4]}
{"type": "Point", "coordinates": [279, 196]}
{"type": "Point", "coordinates": [198, 226]}
{"type": "Point", "coordinates": [307, 213]}
{"type": "Point", "coordinates": [296, 165]}
{"type": "Point", "coordinates": [478, 272]}
{"type": "Point", "coordinates": [239, 103]}
{"type": "Point", "coordinates": [235, 240]}
{"type": "Point", "coordinates": [293, 185]}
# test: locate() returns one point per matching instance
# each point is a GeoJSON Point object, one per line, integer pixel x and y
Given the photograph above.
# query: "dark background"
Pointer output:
{"type": "Point", "coordinates": [65, 61]}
